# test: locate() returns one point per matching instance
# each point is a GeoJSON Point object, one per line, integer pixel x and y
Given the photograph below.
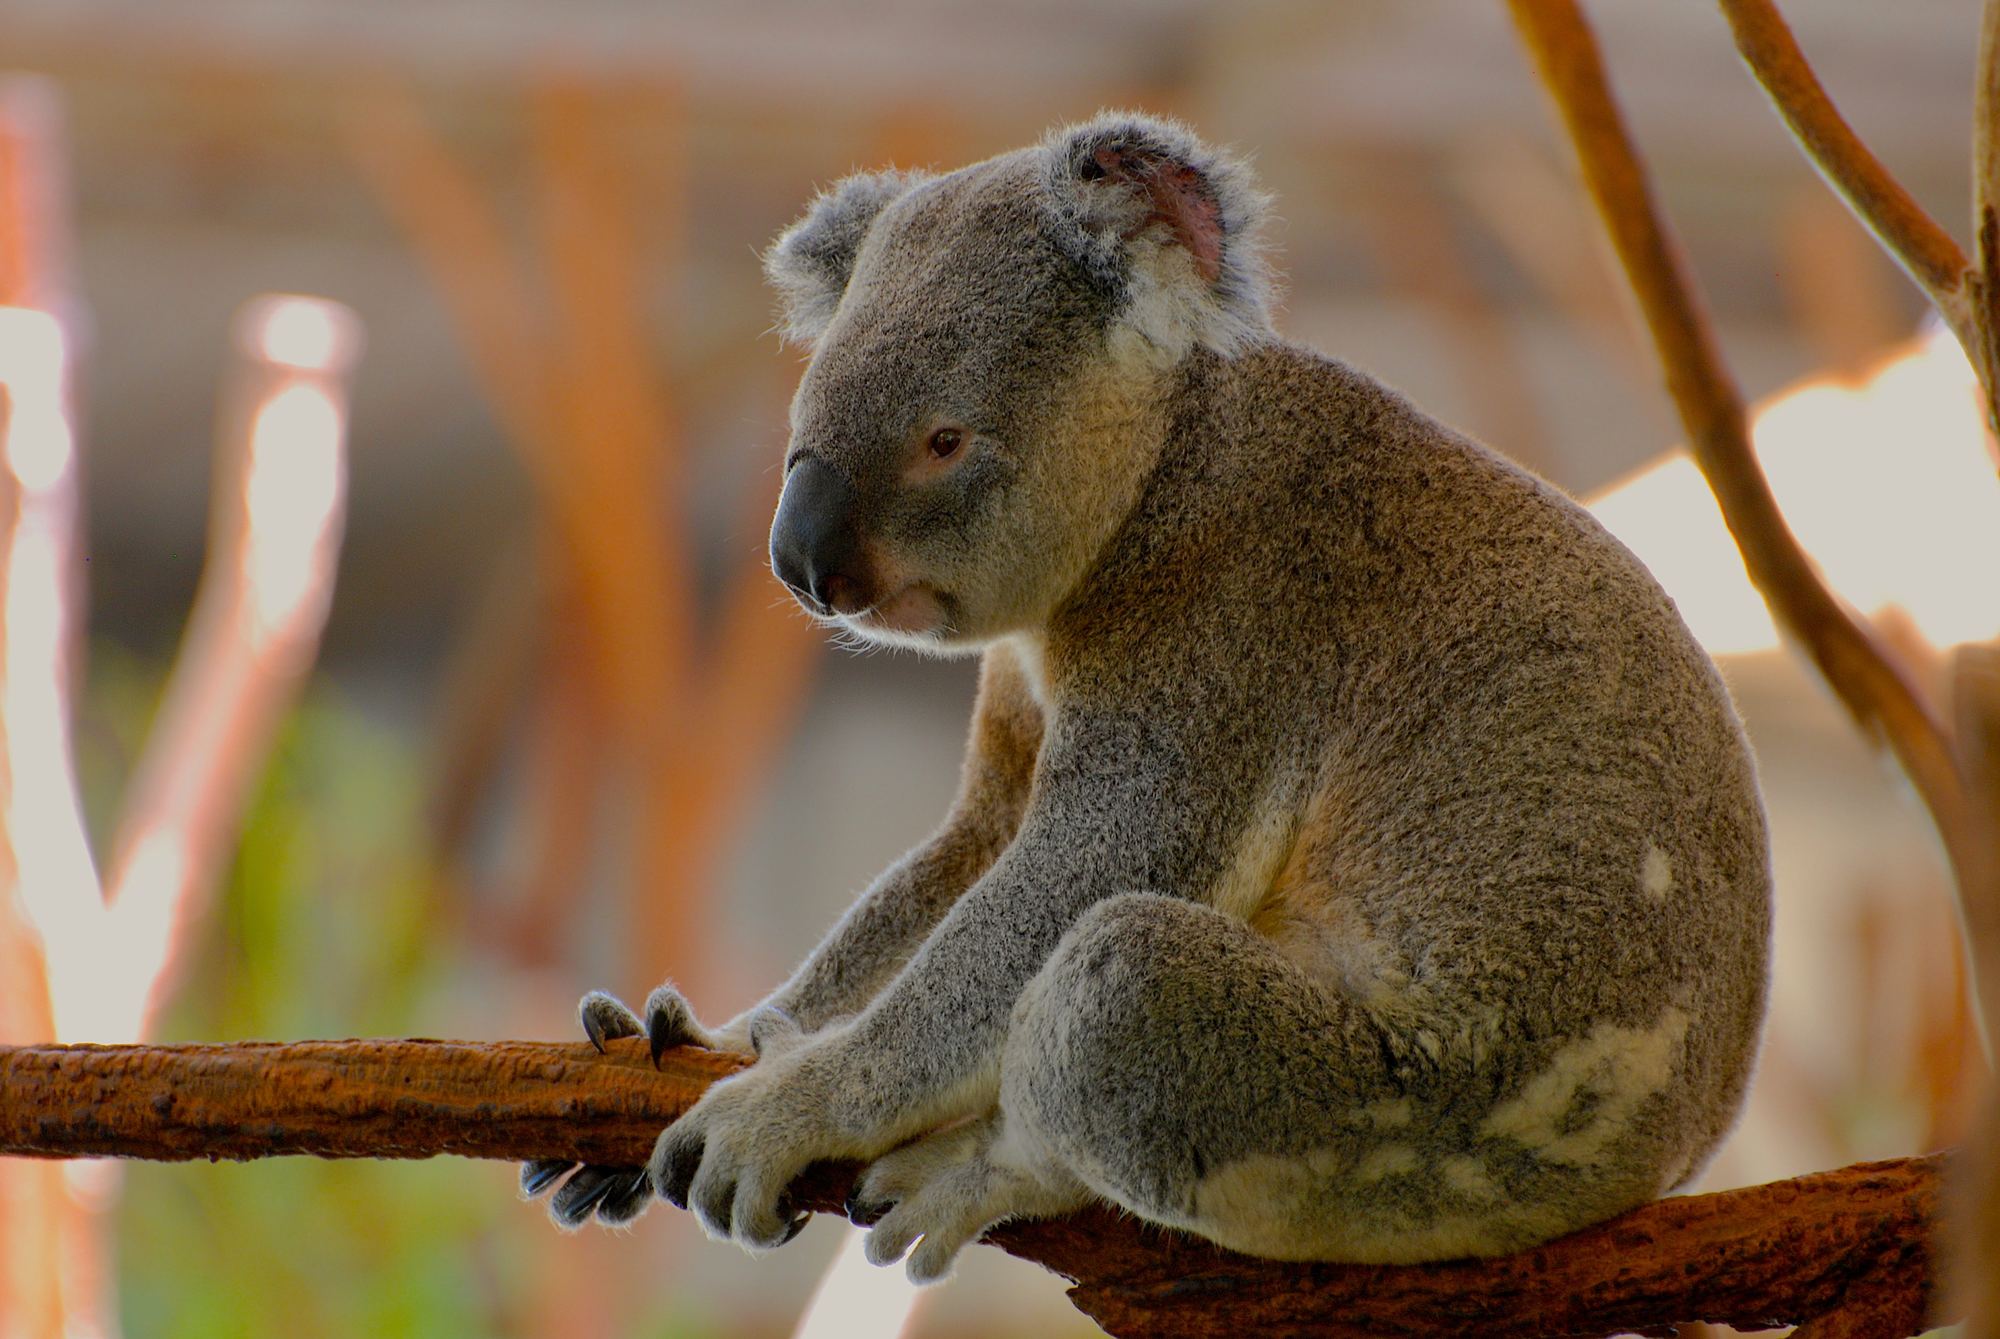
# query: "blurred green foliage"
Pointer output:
{"type": "Point", "coordinates": [321, 929]}
{"type": "Point", "coordinates": [325, 926]}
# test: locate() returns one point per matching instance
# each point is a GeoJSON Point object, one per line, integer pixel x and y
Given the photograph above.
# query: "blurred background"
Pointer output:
{"type": "Point", "coordinates": [393, 416]}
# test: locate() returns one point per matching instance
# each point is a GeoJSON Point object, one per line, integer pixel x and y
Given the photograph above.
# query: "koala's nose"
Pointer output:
{"type": "Point", "coordinates": [814, 542]}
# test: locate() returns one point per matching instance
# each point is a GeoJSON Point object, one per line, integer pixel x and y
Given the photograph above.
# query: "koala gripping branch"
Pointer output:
{"type": "Point", "coordinates": [1844, 1253]}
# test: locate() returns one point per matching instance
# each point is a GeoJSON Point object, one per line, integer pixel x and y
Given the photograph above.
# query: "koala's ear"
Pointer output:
{"type": "Point", "coordinates": [810, 263]}
{"type": "Point", "coordinates": [1170, 226]}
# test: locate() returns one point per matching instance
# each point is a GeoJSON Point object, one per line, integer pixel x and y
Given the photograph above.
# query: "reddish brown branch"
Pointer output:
{"type": "Point", "coordinates": [1851, 1243]}
{"type": "Point", "coordinates": [1909, 234]}
{"type": "Point", "coordinates": [1870, 683]}
{"type": "Point", "coordinates": [346, 1099]}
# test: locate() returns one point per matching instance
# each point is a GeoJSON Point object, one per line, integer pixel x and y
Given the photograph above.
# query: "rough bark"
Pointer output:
{"type": "Point", "coordinates": [1843, 1248]}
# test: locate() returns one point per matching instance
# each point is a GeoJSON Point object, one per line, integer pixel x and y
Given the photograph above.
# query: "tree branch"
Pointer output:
{"type": "Point", "coordinates": [1984, 301]}
{"type": "Point", "coordinates": [1866, 676]}
{"type": "Point", "coordinates": [1836, 1245]}
{"type": "Point", "coordinates": [1924, 249]}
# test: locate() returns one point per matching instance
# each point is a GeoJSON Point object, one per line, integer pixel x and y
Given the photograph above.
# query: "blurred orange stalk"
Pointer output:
{"type": "Point", "coordinates": [572, 373]}
{"type": "Point", "coordinates": [274, 535]}
{"type": "Point", "coordinates": [52, 1274]}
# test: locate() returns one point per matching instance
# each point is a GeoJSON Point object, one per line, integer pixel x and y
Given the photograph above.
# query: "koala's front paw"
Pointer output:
{"type": "Point", "coordinates": [613, 1195]}
{"type": "Point", "coordinates": [605, 1017]}
{"type": "Point", "coordinates": [731, 1158]}
{"type": "Point", "coordinates": [670, 1022]}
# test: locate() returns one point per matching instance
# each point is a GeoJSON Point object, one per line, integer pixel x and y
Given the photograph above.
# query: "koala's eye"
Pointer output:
{"type": "Point", "coordinates": [944, 443]}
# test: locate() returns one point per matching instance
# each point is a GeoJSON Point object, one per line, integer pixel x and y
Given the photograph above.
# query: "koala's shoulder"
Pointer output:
{"type": "Point", "coordinates": [1323, 458]}
{"type": "Point", "coordinates": [1295, 414]}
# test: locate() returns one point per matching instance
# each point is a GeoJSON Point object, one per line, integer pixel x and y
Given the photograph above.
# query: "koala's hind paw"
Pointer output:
{"type": "Point", "coordinates": [946, 1189]}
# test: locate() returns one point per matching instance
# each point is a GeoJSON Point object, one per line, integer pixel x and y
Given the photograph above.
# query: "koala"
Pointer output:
{"type": "Point", "coordinates": [1356, 857]}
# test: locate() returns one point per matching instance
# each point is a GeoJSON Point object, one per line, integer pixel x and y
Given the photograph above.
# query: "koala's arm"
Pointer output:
{"type": "Point", "coordinates": [877, 935]}
{"type": "Point", "coordinates": [1118, 805]}
{"type": "Point", "coordinates": [1114, 809]}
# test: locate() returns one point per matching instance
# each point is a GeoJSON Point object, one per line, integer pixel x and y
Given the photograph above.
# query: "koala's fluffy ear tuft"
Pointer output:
{"type": "Point", "coordinates": [810, 263]}
{"type": "Point", "coordinates": [1169, 225]}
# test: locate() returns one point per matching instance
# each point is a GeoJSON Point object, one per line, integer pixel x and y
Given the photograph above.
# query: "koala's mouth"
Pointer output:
{"type": "Point", "coordinates": [914, 610]}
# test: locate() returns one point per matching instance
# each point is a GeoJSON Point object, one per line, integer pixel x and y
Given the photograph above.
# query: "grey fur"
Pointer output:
{"type": "Point", "coordinates": [809, 263]}
{"type": "Point", "coordinates": [1356, 858]}
{"type": "Point", "coordinates": [1097, 226]}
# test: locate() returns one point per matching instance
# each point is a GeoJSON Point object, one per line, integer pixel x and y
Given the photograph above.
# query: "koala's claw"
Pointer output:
{"type": "Point", "coordinates": [798, 1220]}
{"type": "Point", "coordinates": [542, 1173]}
{"type": "Point", "coordinates": [670, 1023]}
{"type": "Point", "coordinates": [572, 1206]}
{"type": "Point", "coordinates": [626, 1198]}
{"type": "Point", "coordinates": [711, 1199]}
{"type": "Point", "coordinates": [659, 1038]}
{"type": "Point", "coordinates": [606, 1016]}
{"type": "Point", "coordinates": [675, 1163]}
{"type": "Point", "coordinates": [864, 1210]}
{"type": "Point", "coordinates": [616, 1195]}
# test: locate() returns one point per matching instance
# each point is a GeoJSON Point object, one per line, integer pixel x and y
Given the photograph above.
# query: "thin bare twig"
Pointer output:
{"type": "Point", "coordinates": [1909, 234]}
{"type": "Point", "coordinates": [54, 1258]}
{"type": "Point", "coordinates": [1985, 354]}
{"type": "Point", "coordinates": [463, 246]}
{"type": "Point", "coordinates": [1986, 127]}
{"type": "Point", "coordinates": [1838, 1245]}
{"type": "Point", "coordinates": [250, 642]}
{"type": "Point", "coordinates": [1976, 711]}
{"type": "Point", "coordinates": [1875, 689]}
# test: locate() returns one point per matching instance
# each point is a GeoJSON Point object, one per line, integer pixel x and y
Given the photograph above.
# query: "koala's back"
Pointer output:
{"type": "Point", "coordinates": [1509, 809]}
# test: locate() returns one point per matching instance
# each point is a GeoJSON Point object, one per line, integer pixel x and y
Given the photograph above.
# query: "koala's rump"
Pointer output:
{"type": "Point", "coordinates": [1526, 835]}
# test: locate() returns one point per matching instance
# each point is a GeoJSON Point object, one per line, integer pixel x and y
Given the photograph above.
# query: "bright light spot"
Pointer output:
{"type": "Point", "coordinates": [31, 347]}
{"type": "Point", "coordinates": [291, 494]}
{"type": "Point", "coordinates": [56, 880]}
{"type": "Point", "coordinates": [857, 1300]}
{"type": "Point", "coordinates": [139, 938]}
{"type": "Point", "coordinates": [1667, 516]}
{"type": "Point", "coordinates": [94, 1182]}
{"type": "Point", "coordinates": [56, 877]}
{"type": "Point", "coordinates": [149, 887]}
{"type": "Point", "coordinates": [1888, 484]}
{"type": "Point", "coordinates": [39, 448]}
{"type": "Point", "coordinates": [309, 334]}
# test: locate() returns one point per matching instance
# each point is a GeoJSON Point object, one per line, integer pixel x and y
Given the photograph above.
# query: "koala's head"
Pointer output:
{"type": "Point", "coordinates": [990, 350]}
